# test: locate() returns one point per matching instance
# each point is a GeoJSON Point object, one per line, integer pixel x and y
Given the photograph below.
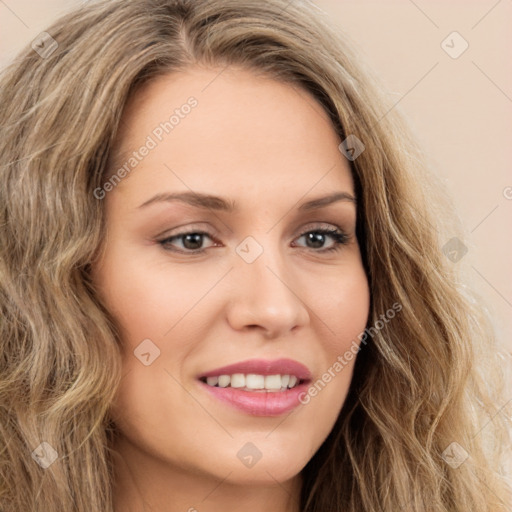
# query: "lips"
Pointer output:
{"type": "Point", "coordinates": [258, 387]}
{"type": "Point", "coordinates": [262, 367]}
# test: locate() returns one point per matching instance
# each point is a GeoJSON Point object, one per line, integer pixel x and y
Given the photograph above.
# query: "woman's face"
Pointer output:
{"type": "Point", "coordinates": [239, 275]}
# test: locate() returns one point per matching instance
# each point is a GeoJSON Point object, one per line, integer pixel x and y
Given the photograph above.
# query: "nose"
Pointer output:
{"type": "Point", "coordinates": [266, 298]}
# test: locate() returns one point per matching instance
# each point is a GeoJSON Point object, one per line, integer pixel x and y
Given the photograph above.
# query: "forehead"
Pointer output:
{"type": "Point", "coordinates": [244, 134]}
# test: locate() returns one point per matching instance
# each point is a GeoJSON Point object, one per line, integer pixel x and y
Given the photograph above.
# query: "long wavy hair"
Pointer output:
{"type": "Point", "coordinates": [428, 378]}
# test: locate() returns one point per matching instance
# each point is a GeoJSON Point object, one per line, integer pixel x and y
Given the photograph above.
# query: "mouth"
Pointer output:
{"type": "Point", "coordinates": [258, 387]}
{"type": "Point", "coordinates": [254, 382]}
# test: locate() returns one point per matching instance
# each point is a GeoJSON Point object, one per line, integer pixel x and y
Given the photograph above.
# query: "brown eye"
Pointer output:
{"type": "Point", "coordinates": [190, 242]}
{"type": "Point", "coordinates": [315, 239]}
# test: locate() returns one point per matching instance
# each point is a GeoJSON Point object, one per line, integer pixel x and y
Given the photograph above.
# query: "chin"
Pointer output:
{"type": "Point", "coordinates": [266, 465]}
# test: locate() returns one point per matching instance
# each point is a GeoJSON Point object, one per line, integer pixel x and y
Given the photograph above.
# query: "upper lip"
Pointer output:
{"type": "Point", "coordinates": [263, 367]}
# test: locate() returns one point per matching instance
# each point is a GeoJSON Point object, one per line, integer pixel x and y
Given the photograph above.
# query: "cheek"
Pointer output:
{"type": "Point", "coordinates": [343, 307]}
{"type": "Point", "coordinates": [342, 317]}
{"type": "Point", "coordinates": [149, 300]}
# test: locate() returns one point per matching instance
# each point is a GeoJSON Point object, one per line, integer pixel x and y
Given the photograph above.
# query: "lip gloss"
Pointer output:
{"type": "Point", "coordinates": [259, 402]}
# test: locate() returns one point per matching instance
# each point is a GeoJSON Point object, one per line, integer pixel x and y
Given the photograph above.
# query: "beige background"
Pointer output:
{"type": "Point", "coordinates": [460, 108]}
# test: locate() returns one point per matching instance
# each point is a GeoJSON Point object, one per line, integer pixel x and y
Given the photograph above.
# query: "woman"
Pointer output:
{"type": "Point", "coordinates": [221, 283]}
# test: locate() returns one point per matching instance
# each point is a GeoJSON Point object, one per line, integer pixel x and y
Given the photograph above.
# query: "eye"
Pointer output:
{"type": "Point", "coordinates": [317, 237]}
{"type": "Point", "coordinates": [192, 242]}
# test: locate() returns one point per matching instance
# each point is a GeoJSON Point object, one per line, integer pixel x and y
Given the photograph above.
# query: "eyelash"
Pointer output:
{"type": "Point", "coordinates": [340, 239]}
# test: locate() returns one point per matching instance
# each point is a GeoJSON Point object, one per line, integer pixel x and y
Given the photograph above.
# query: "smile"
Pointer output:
{"type": "Point", "coordinates": [258, 387]}
{"type": "Point", "coordinates": [254, 382]}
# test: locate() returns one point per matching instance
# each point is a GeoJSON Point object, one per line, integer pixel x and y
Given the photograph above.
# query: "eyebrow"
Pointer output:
{"type": "Point", "coordinates": [210, 202]}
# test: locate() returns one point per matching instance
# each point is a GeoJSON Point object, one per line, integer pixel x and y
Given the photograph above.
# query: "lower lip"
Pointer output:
{"type": "Point", "coordinates": [259, 403]}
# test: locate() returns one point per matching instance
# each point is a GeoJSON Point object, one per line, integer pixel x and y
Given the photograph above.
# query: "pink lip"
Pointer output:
{"type": "Point", "coordinates": [261, 402]}
{"type": "Point", "coordinates": [263, 367]}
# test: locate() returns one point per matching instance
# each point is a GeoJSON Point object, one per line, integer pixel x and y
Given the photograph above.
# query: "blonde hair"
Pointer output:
{"type": "Point", "coordinates": [417, 386]}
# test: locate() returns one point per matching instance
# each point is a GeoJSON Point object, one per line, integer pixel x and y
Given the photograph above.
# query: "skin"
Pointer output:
{"type": "Point", "coordinates": [270, 147]}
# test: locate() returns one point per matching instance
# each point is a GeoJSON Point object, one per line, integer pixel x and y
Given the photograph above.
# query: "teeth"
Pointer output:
{"type": "Point", "coordinates": [273, 382]}
{"type": "Point", "coordinates": [254, 382]}
{"type": "Point", "coordinates": [212, 381]}
{"type": "Point", "coordinates": [224, 381]}
{"type": "Point", "coordinates": [238, 380]}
